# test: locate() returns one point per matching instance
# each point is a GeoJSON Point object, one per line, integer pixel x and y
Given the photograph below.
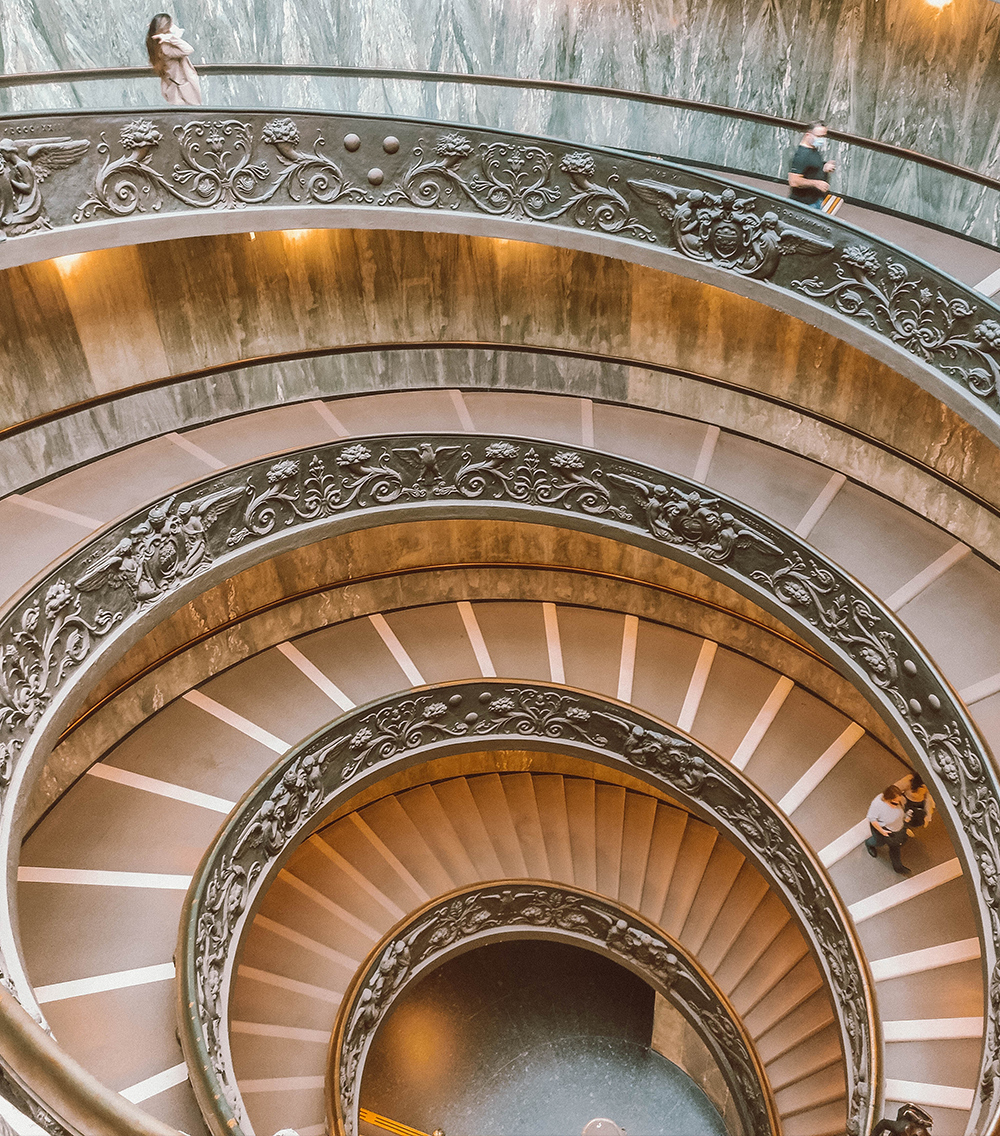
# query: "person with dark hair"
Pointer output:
{"type": "Point", "coordinates": [919, 805]}
{"type": "Point", "coordinates": [806, 176]}
{"type": "Point", "coordinates": [887, 820]}
{"type": "Point", "coordinates": [911, 1120]}
{"type": "Point", "coordinates": [168, 53]}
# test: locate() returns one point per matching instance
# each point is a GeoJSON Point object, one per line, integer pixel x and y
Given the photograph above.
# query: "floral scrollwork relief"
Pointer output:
{"type": "Point", "coordinates": [217, 169]}
{"type": "Point", "coordinates": [916, 314]}
{"type": "Point", "coordinates": [515, 180]}
{"type": "Point", "coordinates": [101, 588]}
{"type": "Point", "coordinates": [295, 796]}
{"type": "Point", "coordinates": [533, 909]}
{"type": "Point", "coordinates": [51, 636]}
{"type": "Point", "coordinates": [155, 162]}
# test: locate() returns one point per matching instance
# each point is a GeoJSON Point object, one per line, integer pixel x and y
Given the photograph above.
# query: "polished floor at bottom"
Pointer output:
{"type": "Point", "coordinates": [530, 1039]}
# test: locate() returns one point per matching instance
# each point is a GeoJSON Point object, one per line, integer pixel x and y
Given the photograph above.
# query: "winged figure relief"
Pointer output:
{"type": "Point", "coordinates": [723, 229]}
{"type": "Point", "coordinates": [687, 212]}
{"type": "Point", "coordinates": [773, 239]}
{"type": "Point", "coordinates": [24, 165]}
{"type": "Point", "coordinates": [694, 519]}
{"type": "Point", "coordinates": [170, 545]}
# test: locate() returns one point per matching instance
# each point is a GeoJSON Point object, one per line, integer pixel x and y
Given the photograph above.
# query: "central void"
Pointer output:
{"type": "Point", "coordinates": [529, 1038]}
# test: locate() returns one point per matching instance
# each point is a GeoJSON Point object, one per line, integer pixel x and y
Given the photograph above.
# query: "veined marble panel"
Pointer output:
{"type": "Point", "coordinates": [897, 70]}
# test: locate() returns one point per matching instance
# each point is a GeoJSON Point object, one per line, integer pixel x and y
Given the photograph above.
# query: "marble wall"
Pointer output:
{"type": "Point", "coordinates": [894, 69]}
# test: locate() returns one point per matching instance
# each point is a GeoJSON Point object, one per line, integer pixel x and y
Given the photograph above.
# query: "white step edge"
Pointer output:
{"type": "Point", "coordinates": [844, 845]}
{"type": "Point", "coordinates": [237, 721]}
{"type": "Point", "coordinates": [929, 958]}
{"type": "Point", "coordinates": [397, 650]}
{"type": "Point", "coordinates": [158, 1083]}
{"type": "Point", "coordinates": [312, 672]}
{"type": "Point", "coordinates": [940, 1096]}
{"type": "Point", "coordinates": [281, 1084]}
{"type": "Point", "coordinates": [824, 764]}
{"type": "Point", "coordinates": [118, 980]}
{"type": "Point", "coordinates": [932, 1029]}
{"type": "Point", "coordinates": [762, 723]}
{"type": "Point", "coordinates": [95, 878]}
{"type": "Point", "coordinates": [905, 890]}
{"type": "Point", "coordinates": [319, 993]}
{"type": "Point", "coordinates": [286, 1033]}
{"type": "Point", "coordinates": [161, 788]}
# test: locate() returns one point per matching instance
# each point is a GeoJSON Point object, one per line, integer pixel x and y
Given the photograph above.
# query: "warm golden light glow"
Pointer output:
{"type": "Point", "coordinates": [295, 234]}
{"type": "Point", "coordinates": [68, 264]}
{"type": "Point", "coordinates": [939, 4]}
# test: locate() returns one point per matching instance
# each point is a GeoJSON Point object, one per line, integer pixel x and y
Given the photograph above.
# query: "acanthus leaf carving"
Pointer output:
{"type": "Point", "coordinates": [216, 170]}
{"type": "Point", "coordinates": [914, 314]}
{"type": "Point", "coordinates": [516, 180]}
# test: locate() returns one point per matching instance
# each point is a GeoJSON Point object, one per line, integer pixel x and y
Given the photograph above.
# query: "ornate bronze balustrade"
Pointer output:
{"type": "Point", "coordinates": [527, 909]}
{"type": "Point", "coordinates": [77, 620]}
{"type": "Point", "coordinates": [296, 795]}
{"type": "Point", "coordinates": [67, 174]}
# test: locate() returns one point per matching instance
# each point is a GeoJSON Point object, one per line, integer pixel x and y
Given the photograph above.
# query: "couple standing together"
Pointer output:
{"type": "Point", "coordinates": [895, 814]}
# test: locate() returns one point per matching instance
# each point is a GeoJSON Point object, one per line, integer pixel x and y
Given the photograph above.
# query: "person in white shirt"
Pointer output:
{"type": "Point", "coordinates": [168, 54]}
{"type": "Point", "coordinates": [887, 819]}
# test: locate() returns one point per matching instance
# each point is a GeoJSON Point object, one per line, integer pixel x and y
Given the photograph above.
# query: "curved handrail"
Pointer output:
{"type": "Point", "coordinates": [562, 86]}
{"type": "Point", "coordinates": [73, 1101]}
{"type": "Point", "coordinates": [78, 619]}
{"type": "Point", "coordinates": [882, 175]}
{"type": "Point", "coordinates": [175, 173]}
{"type": "Point", "coordinates": [470, 917]}
{"type": "Point", "coordinates": [321, 775]}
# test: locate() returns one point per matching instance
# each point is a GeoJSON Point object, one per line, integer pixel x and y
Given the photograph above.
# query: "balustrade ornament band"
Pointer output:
{"type": "Point", "coordinates": [476, 915]}
{"type": "Point", "coordinates": [153, 559]}
{"type": "Point", "coordinates": [295, 796]}
{"type": "Point", "coordinates": [109, 165]}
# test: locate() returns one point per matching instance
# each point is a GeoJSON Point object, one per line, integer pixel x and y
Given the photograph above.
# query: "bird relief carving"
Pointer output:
{"type": "Point", "coordinates": [24, 166]}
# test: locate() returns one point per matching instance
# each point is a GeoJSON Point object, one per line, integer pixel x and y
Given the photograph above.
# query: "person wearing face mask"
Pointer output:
{"type": "Point", "coordinates": [168, 53]}
{"type": "Point", "coordinates": [807, 176]}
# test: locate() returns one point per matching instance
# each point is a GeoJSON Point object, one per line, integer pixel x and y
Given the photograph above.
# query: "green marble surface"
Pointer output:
{"type": "Point", "coordinates": [897, 70]}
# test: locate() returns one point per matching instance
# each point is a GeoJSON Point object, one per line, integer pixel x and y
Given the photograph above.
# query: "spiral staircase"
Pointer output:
{"type": "Point", "coordinates": [132, 830]}
{"type": "Point", "coordinates": [162, 351]}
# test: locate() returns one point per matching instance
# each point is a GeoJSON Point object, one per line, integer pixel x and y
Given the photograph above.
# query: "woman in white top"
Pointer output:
{"type": "Point", "coordinates": [887, 818]}
{"type": "Point", "coordinates": [168, 54]}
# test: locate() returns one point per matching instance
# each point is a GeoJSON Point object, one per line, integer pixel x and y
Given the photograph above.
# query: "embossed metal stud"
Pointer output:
{"type": "Point", "coordinates": [934, 702]}
{"type": "Point", "coordinates": [910, 666]}
{"type": "Point", "coordinates": [390, 144]}
{"type": "Point", "coordinates": [375, 176]}
{"type": "Point", "coordinates": [915, 707]}
{"type": "Point", "coordinates": [352, 142]}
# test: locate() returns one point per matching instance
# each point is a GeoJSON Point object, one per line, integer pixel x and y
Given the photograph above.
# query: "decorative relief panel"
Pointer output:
{"type": "Point", "coordinates": [476, 915]}
{"type": "Point", "coordinates": [171, 162]}
{"type": "Point", "coordinates": [295, 795]}
{"type": "Point", "coordinates": [140, 562]}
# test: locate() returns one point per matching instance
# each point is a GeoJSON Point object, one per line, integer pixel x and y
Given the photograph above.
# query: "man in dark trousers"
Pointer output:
{"type": "Point", "coordinates": [809, 167]}
{"type": "Point", "coordinates": [911, 1120]}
